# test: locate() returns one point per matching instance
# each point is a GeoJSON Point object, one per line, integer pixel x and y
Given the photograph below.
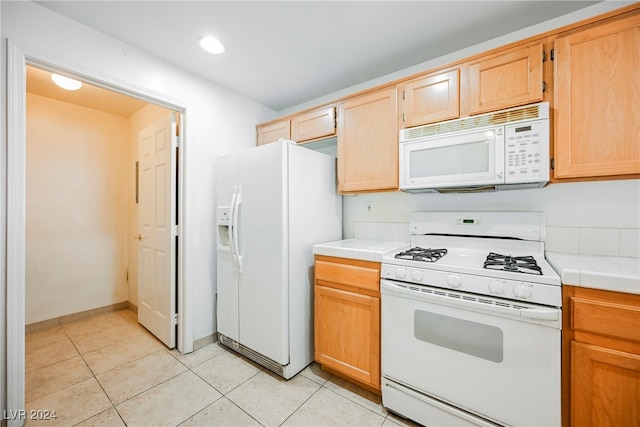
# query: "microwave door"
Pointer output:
{"type": "Point", "coordinates": [463, 159]}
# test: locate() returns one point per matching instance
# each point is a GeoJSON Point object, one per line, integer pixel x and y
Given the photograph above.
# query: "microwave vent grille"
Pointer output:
{"type": "Point", "coordinates": [468, 123]}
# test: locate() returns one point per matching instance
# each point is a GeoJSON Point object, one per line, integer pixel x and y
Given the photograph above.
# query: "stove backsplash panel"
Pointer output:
{"type": "Point", "coordinates": [624, 242]}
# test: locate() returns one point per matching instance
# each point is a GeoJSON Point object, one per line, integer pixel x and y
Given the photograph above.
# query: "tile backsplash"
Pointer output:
{"type": "Point", "coordinates": [396, 231]}
{"type": "Point", "coordinates": [624, 242]}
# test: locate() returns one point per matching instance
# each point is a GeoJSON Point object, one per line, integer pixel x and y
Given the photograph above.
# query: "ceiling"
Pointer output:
{"type": "Point", "coordinates": [284, 53]}
{"type": "Point", "coordinates": [39, 83]}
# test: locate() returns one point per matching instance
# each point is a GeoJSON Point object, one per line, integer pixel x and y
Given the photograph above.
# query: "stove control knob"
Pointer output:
{"type": "Point", "coordinates": [400, 273]}
{"type": "Point", "coordinates": [454, 281]}
{"type": "Point", "coordinates": [496, 287]}
{"type": "Point", "coordinates": [522, 291]}
{"type": "Point", "coordinates": [417, 275]}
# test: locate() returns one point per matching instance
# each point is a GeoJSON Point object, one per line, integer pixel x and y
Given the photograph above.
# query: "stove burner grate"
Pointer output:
{"type": "Point", "coordinates": [518, 264]}
{"type": "Point", "coordinates": [420, 254]}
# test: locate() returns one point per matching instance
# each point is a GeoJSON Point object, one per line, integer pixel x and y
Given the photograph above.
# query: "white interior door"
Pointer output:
{"type": "Point", "coordinates": [157, 229]}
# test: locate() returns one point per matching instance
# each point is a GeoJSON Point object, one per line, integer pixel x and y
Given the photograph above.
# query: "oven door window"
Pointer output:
{"type": "Point", "coordinates": [472, 338]}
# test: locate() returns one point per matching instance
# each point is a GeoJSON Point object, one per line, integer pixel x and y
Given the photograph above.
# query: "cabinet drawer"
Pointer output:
{"type": "Point", "coordinates": [359, 276]}
{"type": "Point", "coordinates": [606, 318]}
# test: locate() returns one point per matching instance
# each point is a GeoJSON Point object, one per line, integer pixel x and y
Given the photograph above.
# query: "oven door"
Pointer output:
{"type": "Point", "coordinates": [460, 159]}
{"type": "Point", "coordinates": [468, 352]}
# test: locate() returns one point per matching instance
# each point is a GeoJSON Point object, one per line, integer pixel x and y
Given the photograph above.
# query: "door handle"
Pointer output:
{"type": "Point", "coordinates": [138, 237]}
{"type": "Point", "coordinates": [234, 219]}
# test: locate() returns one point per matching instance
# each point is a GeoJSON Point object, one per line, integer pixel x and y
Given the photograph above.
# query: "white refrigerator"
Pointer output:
{"type": "Point", "coordinates": [275, 202]}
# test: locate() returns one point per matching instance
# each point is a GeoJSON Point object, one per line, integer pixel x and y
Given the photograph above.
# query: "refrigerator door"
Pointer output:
{"type": "Point", "coordinates": [315, 216]}
{"type": "Point", "coordinates": [262, 249]}
{"type": "Point", "coordinates": [227, 271]}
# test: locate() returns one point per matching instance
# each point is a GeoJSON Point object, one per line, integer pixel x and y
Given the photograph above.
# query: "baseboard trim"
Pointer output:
{"type": "Point", "coordinates": [58, 321]}
{"type": "Point", "coordinates": [131, 306]}
{"type": "Point", "coordinates": [205, 341]}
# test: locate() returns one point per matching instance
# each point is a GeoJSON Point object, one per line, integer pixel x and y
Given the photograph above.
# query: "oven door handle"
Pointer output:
{"type": "Point", "coordinates": [540, 313]}
{"type": "Point", "coordinates": [447, 298]}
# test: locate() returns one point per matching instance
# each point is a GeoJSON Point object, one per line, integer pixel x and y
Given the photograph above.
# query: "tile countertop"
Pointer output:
{"type": "Point", "coordinates": [361, 249]}
{"type": "Point", "coordinates": [599, 272]}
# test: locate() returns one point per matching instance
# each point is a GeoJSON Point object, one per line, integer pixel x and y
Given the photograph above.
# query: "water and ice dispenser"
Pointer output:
{"type": "Point", "coordinates": [223, 219]}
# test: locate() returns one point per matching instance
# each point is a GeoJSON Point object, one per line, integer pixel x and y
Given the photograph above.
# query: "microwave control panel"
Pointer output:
{"type": "Point", "coordinates": [525, 155]}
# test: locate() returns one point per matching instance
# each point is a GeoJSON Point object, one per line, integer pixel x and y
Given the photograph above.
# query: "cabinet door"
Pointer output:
{"type": "Point", "coordinates": [605, 387]}
{"type": "Point", "coordinates": [597, 100]}
{"type": "Point", "coordinates": [314, 124]}
{"type": "Point", "coordinates": [368, 142]}
{"type": "Point", "coordinates": [273, 132]}
{"type": "Point", "coordinates": [347, 333]}
{"type": "Point", "coordinates": [431, 99]}
{"type": "Point", "coordinates": [506, 79]}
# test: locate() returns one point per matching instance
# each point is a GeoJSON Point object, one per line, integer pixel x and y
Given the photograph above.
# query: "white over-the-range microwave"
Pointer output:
{"type": "Point", "coordinates": [508, 149]}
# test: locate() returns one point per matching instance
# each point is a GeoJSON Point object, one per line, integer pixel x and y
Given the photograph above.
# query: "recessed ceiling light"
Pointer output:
{"type": "Point", "coordinates": [66, 82]}
{"type": "Point", "coordinates": [211, 45]}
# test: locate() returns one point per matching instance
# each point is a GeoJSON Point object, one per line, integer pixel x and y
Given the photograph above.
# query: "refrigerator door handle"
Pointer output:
{"type": "Point", "coordinates": [232, 227]}
{"type": "Point", "coordinates": [234, 221]}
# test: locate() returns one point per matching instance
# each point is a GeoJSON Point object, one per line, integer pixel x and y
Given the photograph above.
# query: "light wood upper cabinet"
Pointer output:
{"type": "Point", "coordinates": [601, 353]}
{"type": "Point", "coordinates": [314, 124]}
{"type": "Point", "coordinates": [432, 98]}
{"type": "Point", "coordinates": [273, 132]}
{"type": "Point", "coordinates": [368, 142]}
{"type": "Point", "coordinates": [597, 100]}
{"type": "Point", "coordinates": [347, 319]}
{"type": "Point", "coordinates": [506, 79]}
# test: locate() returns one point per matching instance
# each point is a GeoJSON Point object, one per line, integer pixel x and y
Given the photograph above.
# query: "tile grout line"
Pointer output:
{"type": "Point", "coordinates": [113, 406]}
{"type": "Point", "coordinates": [302, 404]}
{"type": "Point", "coordinates": [384, 417]}
{"type": "Point", "coordinates": [222, 395]}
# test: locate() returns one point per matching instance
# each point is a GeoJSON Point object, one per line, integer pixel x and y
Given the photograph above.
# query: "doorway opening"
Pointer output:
{"type": "Point", "coordinates": [18, 60]}
{"type": "Point", "coordinates": [82, 205]}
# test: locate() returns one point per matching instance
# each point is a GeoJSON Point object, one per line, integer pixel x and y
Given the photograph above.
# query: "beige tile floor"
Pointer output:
{"type": "Point", "coordinates": [109, 371]}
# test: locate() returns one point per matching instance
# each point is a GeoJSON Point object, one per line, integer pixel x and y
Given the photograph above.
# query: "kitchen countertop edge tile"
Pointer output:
{"type": "Point", "coordinates": [597, 272]}
{"type": "Point", "coordinates": [360, 249]}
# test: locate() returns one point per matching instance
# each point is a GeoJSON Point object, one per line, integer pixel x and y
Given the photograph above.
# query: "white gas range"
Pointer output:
{"type": "Point", "coordinates": [471, 322]}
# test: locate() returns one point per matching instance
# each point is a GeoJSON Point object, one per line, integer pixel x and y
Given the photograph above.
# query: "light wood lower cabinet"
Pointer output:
{"type": "Point", "coordinates": [347, 319]}
{"type": "Point", "coordinates": [601, 358]}
{"type": "Point", "coordinates": [605, 386]}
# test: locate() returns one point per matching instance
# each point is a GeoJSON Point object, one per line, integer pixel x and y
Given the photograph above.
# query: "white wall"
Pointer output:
{"type": "Point", "coordinates": [76, 221]}
{"type": "Point", "coordinates": [217, 121]}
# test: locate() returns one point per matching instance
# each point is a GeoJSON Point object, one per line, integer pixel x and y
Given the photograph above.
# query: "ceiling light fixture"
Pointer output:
{"type": "Point", "coordinates": [66, 82]}
{"type": "Point", "coordinates": [211, 45]}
